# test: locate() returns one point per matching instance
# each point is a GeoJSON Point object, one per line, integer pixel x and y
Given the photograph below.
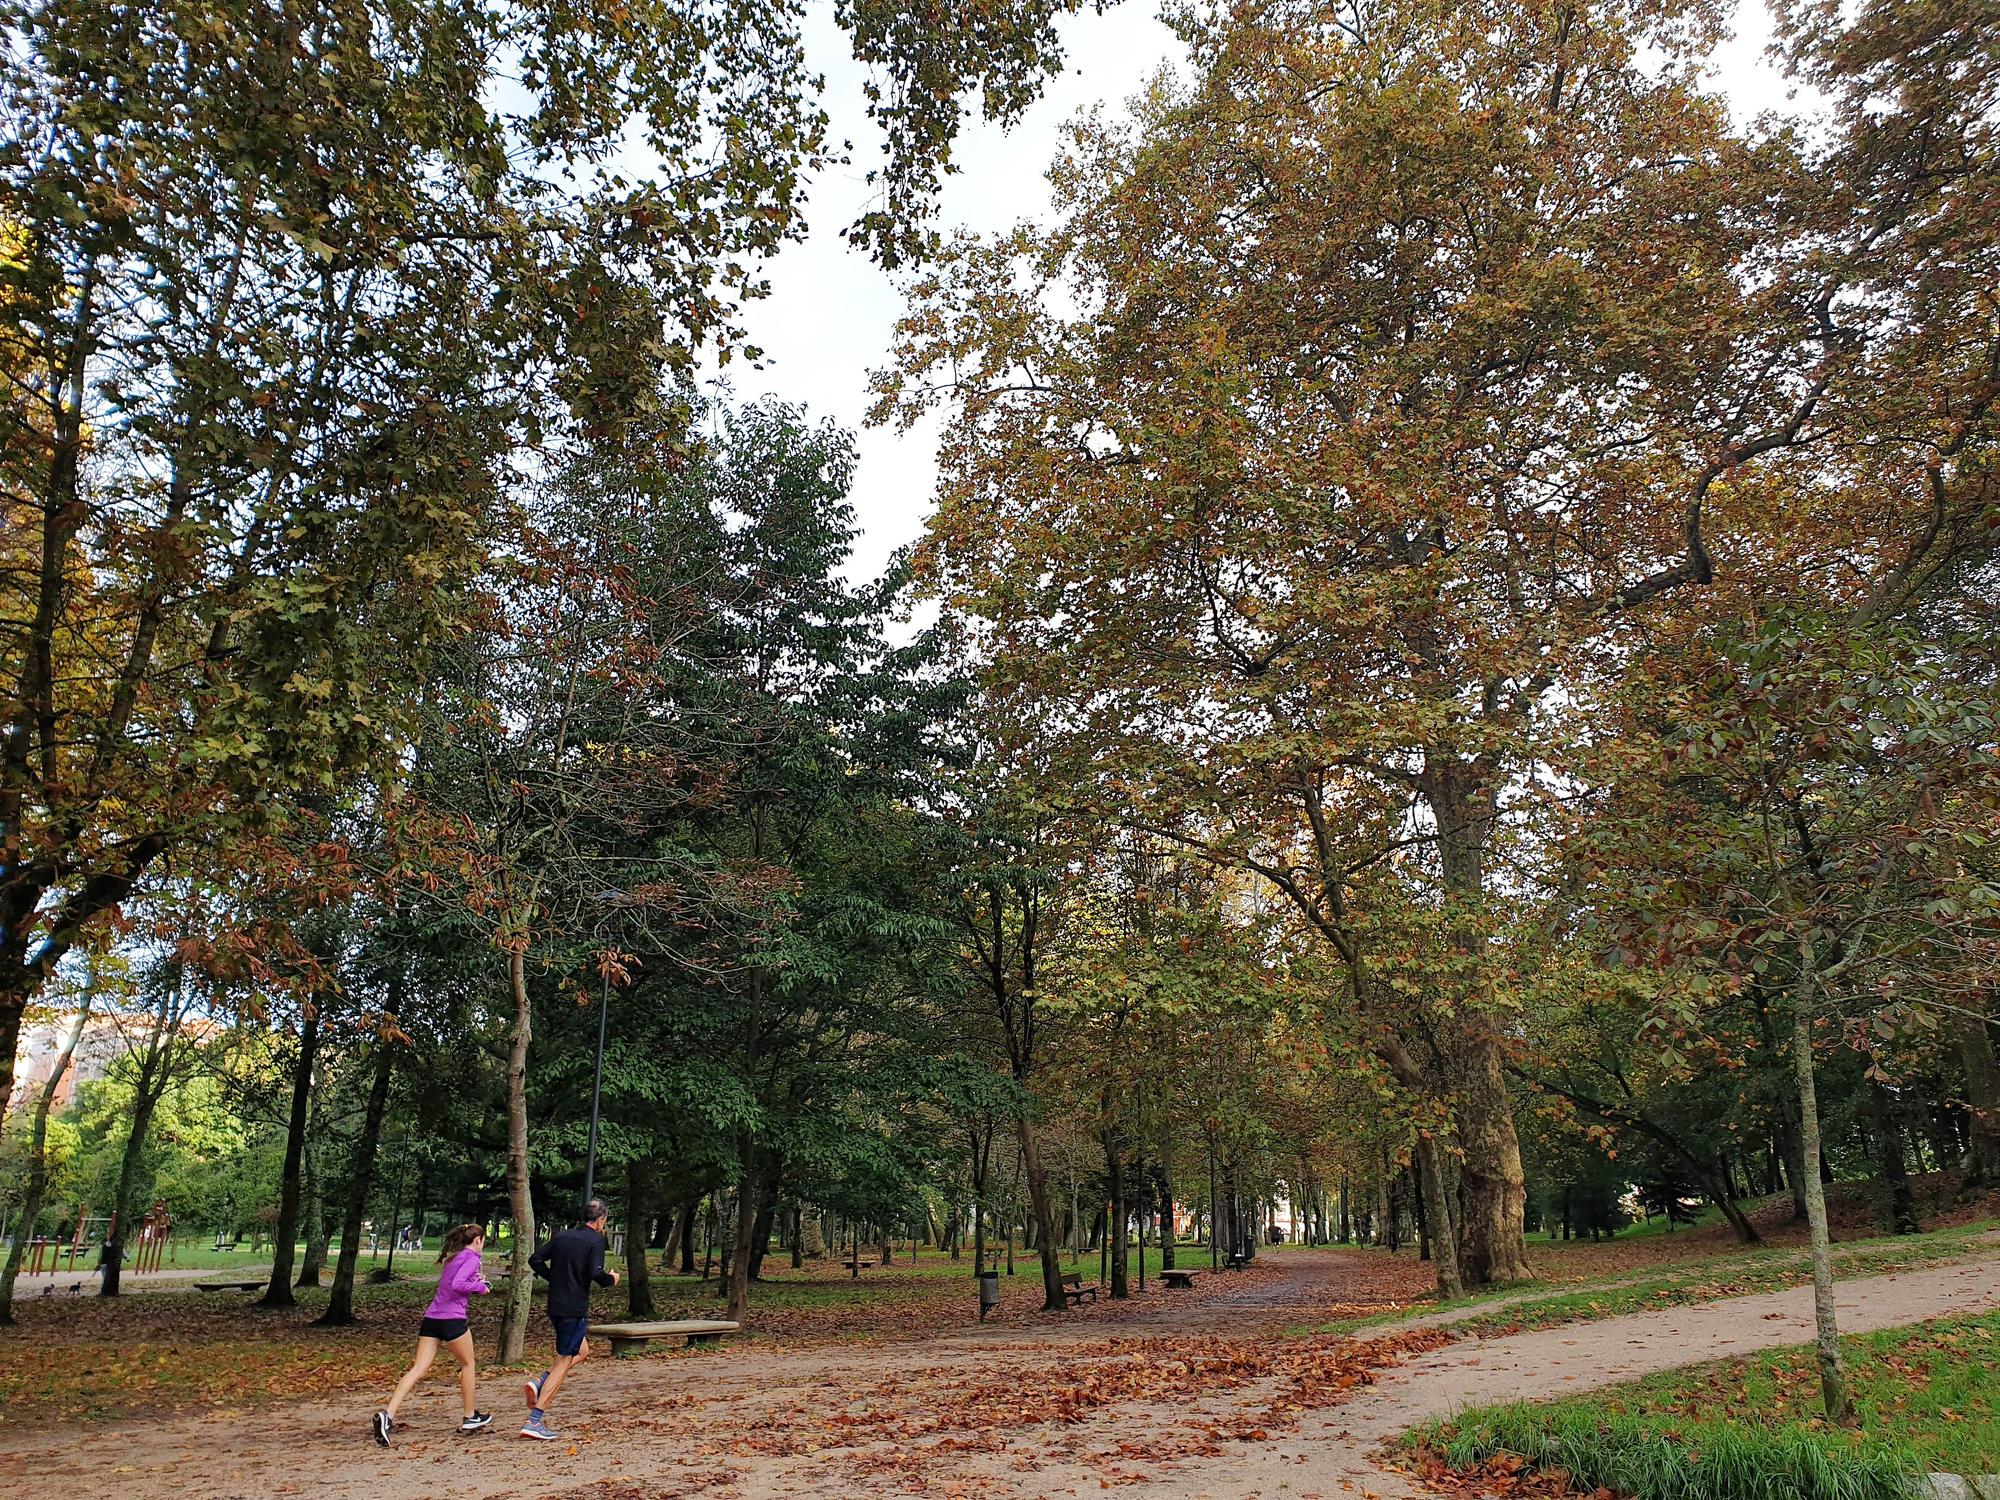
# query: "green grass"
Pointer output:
{"type": "Point", "coordinates": [1642, 1289]}
{"type": "Point", "coordinates": [1750, 1429]}
{"type": "Point", "coordinates": [1734, 1276]}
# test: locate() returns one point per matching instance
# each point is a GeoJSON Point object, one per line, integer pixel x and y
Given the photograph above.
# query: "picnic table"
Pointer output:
{"type": "Point", "coordinates": [1176, 1277]}
{"type": "Point", "coordinates": [632, 1338]}
{"type": "Point", "coordinates": [1074, 1290]}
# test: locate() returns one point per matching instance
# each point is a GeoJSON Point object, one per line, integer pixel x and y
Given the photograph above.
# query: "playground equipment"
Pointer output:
{"type": "Point", "coordinates": [154, 1230]}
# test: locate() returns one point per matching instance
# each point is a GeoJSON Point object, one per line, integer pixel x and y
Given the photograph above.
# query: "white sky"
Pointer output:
{"type": "Point", "coordinates": [830, 318]}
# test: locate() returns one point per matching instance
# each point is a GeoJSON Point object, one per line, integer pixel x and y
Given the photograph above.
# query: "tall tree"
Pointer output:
{"type": "Point", "coordinates": [293, 288]}
{"type": "Point", "coordinates": [1411, 342]}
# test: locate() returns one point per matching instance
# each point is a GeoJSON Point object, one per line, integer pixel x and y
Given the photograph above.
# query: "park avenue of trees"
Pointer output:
{"type": "Point", "coordinates": [1452, 685]}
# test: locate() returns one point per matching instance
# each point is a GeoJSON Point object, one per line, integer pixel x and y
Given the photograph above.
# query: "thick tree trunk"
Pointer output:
{"type": "Point", "coordinates": [1889, 1153]}
{"type": "Point", "coordinates": [1431, 1176]}
{"type": "Point", "coordinates": [1982, 1098]}
{"type": "Point", "coordinates": [285, 1245]}
{"type": "Point", "coordinates": [638, 1265]}
{"type": "Point", "coordinates": [1493, 1187]}
{"type": "Point", "coordinates": [1038, 1203]}
{"type": "Point", "coordinates": [361, 1176]}
{"type": "Point", "coordinates": [520, 1200]}
{"type": "Point", "coordinates": [36, 1189]}
{"type": "Point", "coordinates": [748, 1197]}
{"type": "Point", "coordinates": [1832, 1376]}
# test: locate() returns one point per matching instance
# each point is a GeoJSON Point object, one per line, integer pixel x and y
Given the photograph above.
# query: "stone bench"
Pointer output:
{"type": "Point", "coordinates": [632, 1338]}
{"type": "Point", "coordinates": [1179, 1278]}
{"type": "Point", "coordinates": [229, 1286]}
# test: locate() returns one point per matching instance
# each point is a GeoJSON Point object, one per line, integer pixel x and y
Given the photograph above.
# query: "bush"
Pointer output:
{"type": "Point", "coordinates": [1706, 1461]}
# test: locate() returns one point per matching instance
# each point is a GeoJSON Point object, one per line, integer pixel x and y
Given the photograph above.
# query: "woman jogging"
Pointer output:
{"type": "Point", "coordinates": [444, 1323]}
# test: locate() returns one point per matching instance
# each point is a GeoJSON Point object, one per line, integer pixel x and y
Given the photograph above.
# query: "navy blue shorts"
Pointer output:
{"type": "Point", "coordinates": [569, 1334]}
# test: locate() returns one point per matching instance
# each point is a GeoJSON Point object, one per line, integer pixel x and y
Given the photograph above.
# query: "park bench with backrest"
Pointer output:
{"type": "Point", "coordinates": [632, 1338]}
{"type": "Point", "coordinates": [1176, 1277]}
{"type": "Point", "coordinates": [1074, 1290]}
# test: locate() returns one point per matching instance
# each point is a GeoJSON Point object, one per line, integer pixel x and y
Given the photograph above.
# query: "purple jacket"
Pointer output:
{"type": "Point", "coordinates": [462, 1277]}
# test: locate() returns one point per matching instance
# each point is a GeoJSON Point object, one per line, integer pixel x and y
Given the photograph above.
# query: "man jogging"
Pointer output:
{"type": "Point", "coordinates": [570, 1263]}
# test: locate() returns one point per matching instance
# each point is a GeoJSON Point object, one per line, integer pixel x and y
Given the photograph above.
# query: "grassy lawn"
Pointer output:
{"type": "Point", "coordinates": [1544, 1305]}
{"type": "Point", "coordinates": [1928, 1396]}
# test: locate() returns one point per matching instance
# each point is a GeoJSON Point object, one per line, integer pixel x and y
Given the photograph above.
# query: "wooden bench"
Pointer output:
{"type": "Point", "coordinates": [1179, 1278]}
{"type": "Point", "coordinates": [229, 1286]}
{"type": "Point", "coordinates": [1074, 1290]}
{"type": "Point", "coordinates": [848, 1265]}
{"type": "Point", "coordinates": [631, 1338]}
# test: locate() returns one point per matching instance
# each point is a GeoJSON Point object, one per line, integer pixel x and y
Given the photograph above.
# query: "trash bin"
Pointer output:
{"type": "Point", "coordinates": [989, 1292]}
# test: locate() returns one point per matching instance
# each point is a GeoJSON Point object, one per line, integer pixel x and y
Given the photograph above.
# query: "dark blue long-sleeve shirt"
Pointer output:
{"type": "Point", "coordinates": [570, 1263]}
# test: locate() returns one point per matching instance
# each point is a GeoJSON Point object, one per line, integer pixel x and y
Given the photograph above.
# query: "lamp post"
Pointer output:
{"type": "Point", "coordinates": [608, 898]}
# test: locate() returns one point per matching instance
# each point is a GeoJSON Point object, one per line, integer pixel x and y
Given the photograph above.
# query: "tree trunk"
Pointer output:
{"type": "Point", "coordinates": [1982, 1097]}
{"type": "Point", "coordinates": [1423, 1218]}
{"type": "Point", "coordinates": [37, 1186]}
{"type": "Point", "coordinates": [1114, 1167]}
{"type": "Point", "coordinates": [1492, 1185]}
{"type": "Point", "coordinates": [749, 1195]}
{"type": "Point", "coordinates": [1889, 1152]}
{"type": "Point", "coordinates": [767, 1218]}
{"type": "Point", "coordinates": [638, 1266]}
{"type": "Point", "coordinates": [1038, 1202]}
{"type": "Point", "coordinates": [285, 1245]}
{"type": "Point", "coordinates": [316, 1225]}
{"type": "Point", "coordinates": [686, 1232]}
{"type": "Point", "coordinates": [1167, 1198]}
{"type": "Point", "coordinates": [1832, 1377]}
{"type": "Point", "coordinates": [361, 1172]}
{"type": "Point", "coordinates": [155, 1072]}
{"type": "Point", "coordinates": [1494, 1191]}
{"type": "Point", "coordinates": [520, 1200]}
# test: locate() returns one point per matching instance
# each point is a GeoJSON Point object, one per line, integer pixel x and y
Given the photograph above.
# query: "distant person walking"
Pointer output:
{"type": "Point", "coordinates": [445, 1324]}
{"type": "Point", "coordinates": [571, 1263]}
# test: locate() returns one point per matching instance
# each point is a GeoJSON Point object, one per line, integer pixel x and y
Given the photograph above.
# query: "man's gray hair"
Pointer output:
{"type": "Point", "coordinates": [595, 1210]}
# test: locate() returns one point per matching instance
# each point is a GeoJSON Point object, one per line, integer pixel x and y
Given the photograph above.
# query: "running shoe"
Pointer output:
{"type": "Point", "coordinates": [476, 1421]}
{"type": "Point", "coordinates": [384, 1425]}
{"type": "Point", "coordinates": [533, 1387]}
{"type": "Point", "coordinates": [537, 1426]}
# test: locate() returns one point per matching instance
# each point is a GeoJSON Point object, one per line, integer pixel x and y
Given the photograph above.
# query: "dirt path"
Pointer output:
{"type": "Point", "coordinates": [1205, 1401]}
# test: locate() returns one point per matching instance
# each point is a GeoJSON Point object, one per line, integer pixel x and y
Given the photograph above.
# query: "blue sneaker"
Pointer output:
{"type": "Point", "coordinates": [533, 1386]}
{"type": "Point", "coordinates": [537, 1426]}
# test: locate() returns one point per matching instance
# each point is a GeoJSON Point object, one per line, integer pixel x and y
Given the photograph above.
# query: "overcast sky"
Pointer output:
{"type": "Point", "coordinates": [831, 314]}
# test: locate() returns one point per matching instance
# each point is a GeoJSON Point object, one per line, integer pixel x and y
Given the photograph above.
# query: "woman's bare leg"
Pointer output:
{"type": "Point", "coordinates": [427, 1348]}
{"type": "Point", "coordinates": [468, 1374]}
